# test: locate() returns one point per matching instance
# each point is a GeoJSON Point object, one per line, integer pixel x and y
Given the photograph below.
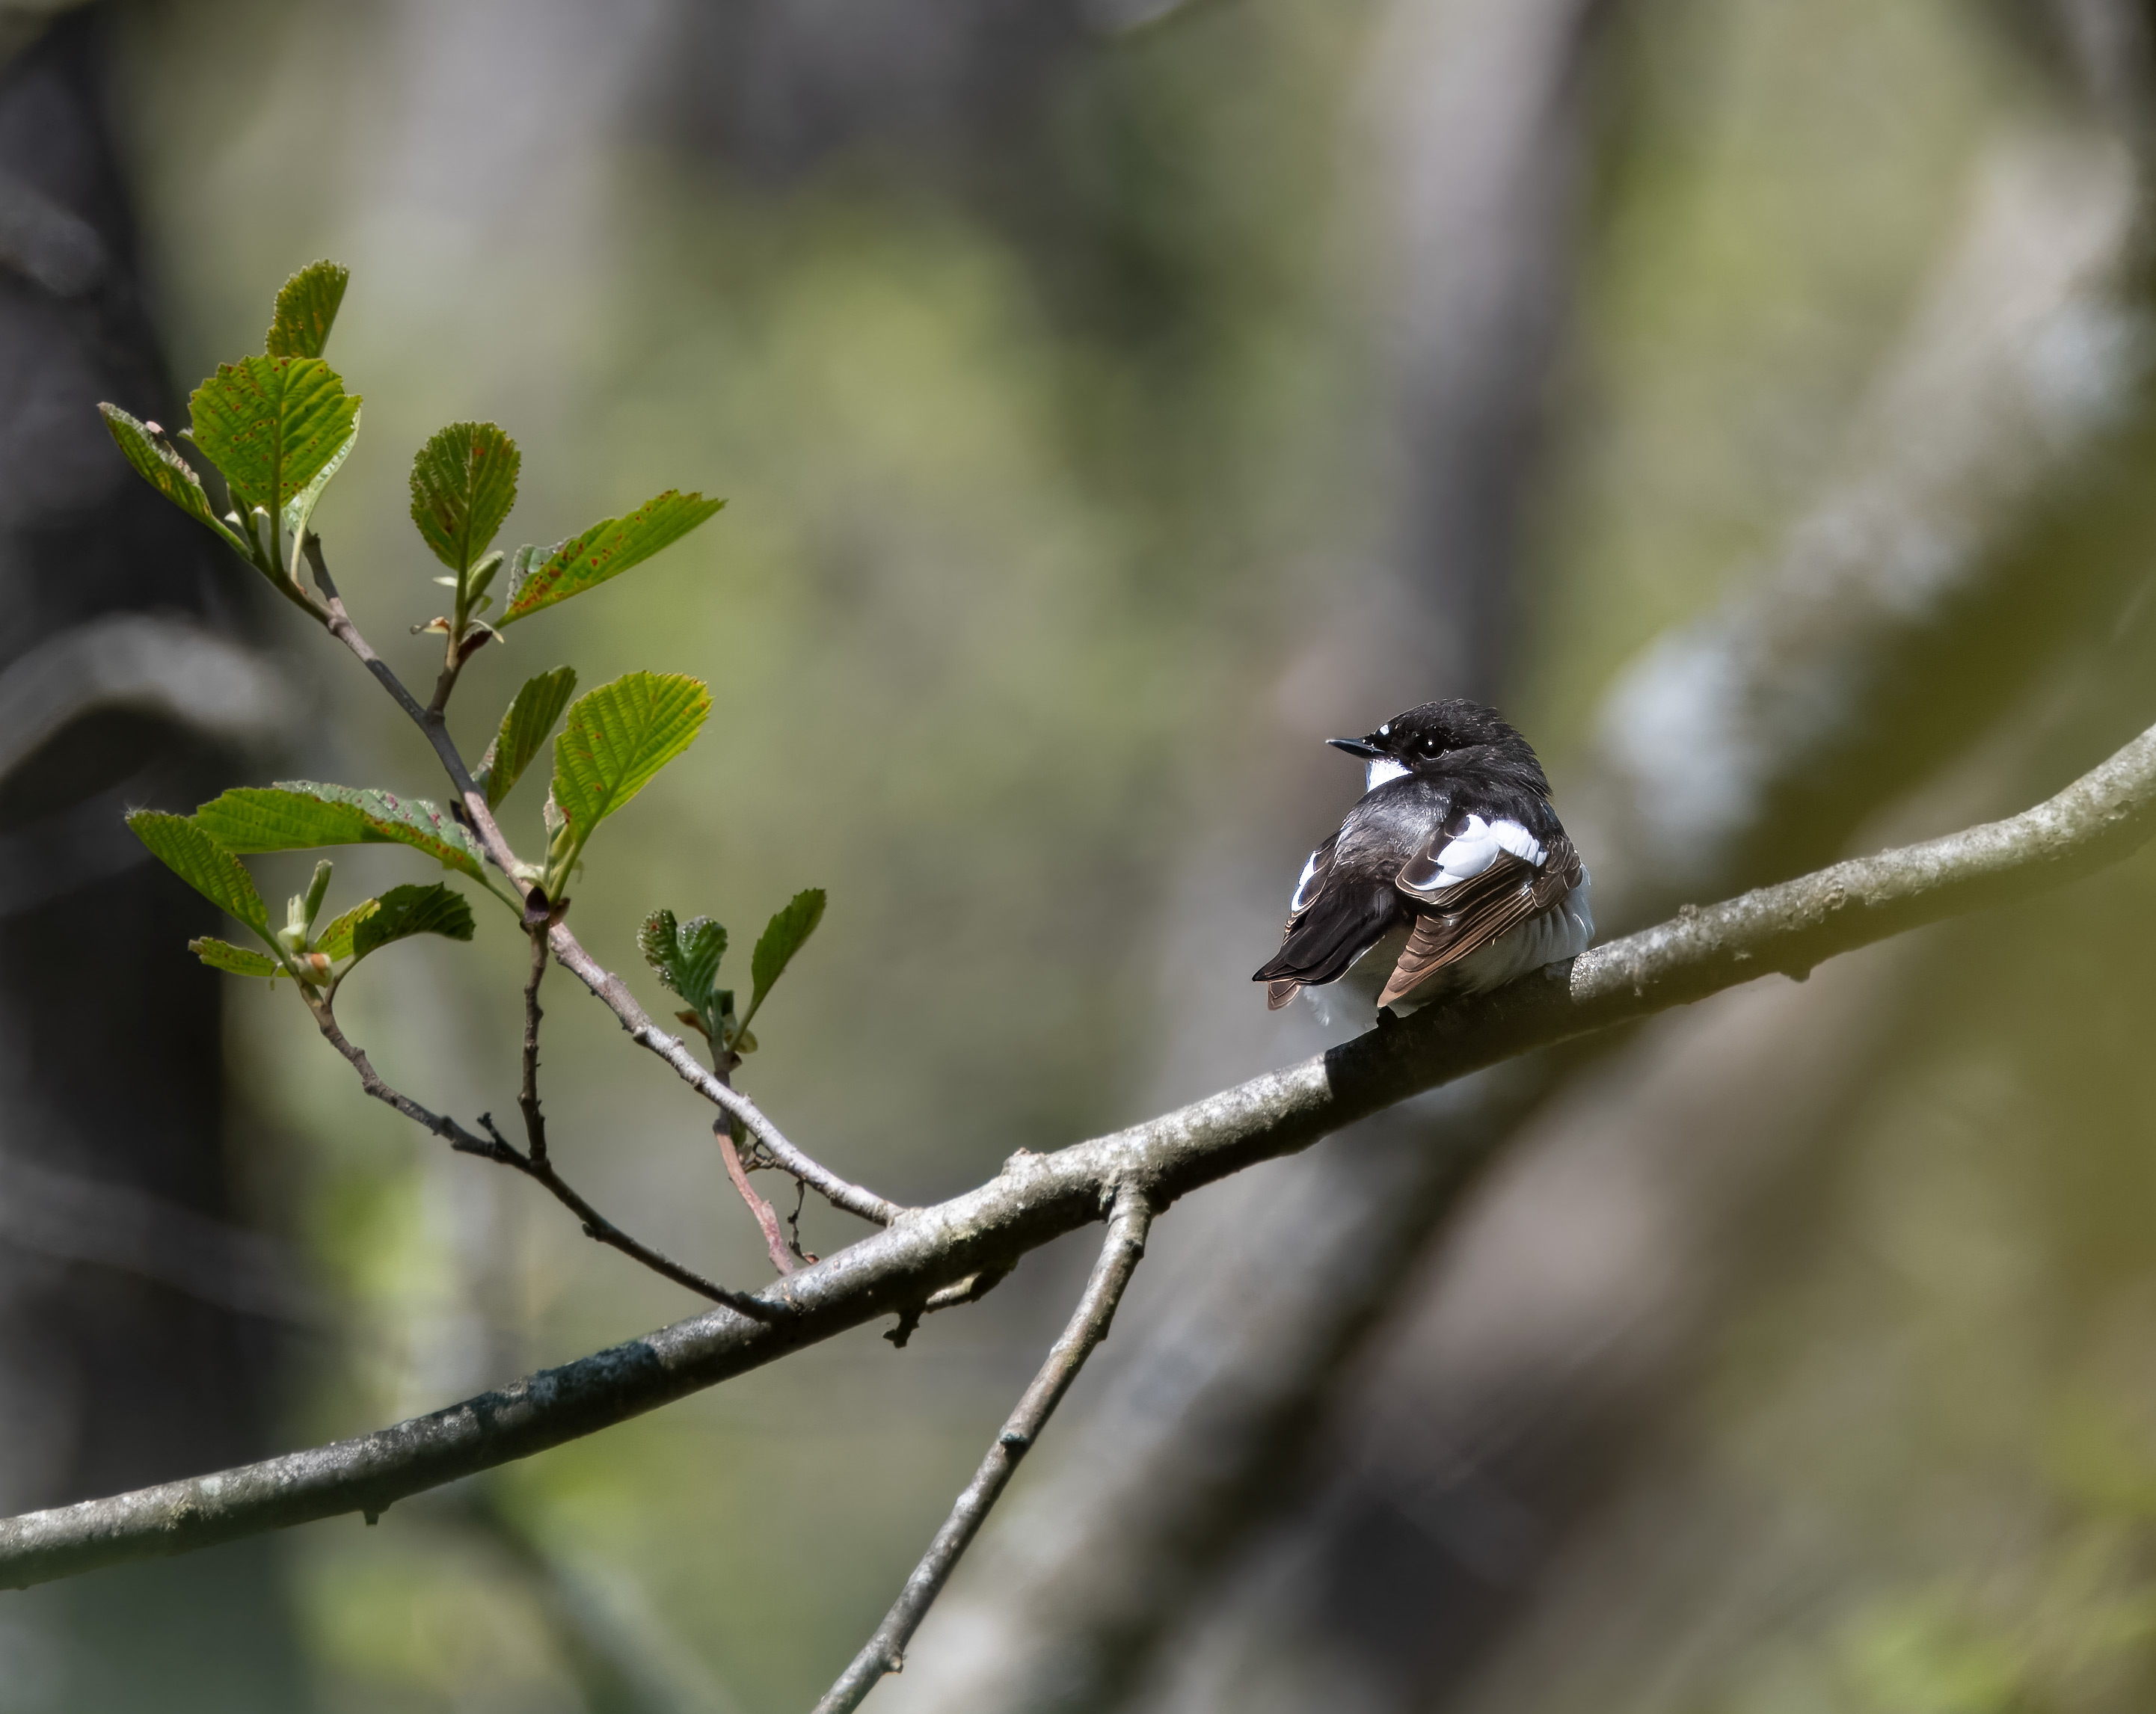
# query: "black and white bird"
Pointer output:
{"type": "Point", "coordinates": [1452, 874]}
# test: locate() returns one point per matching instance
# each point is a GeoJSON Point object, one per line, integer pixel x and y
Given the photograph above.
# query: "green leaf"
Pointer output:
{"type": "Point", "coordinates": [607, 549]}
{"type": "Point", "coordinates": [524, 729]}
{"type": "Point", "coordinates": [300, 815]}
{"type": "Point", "coordinates": [238, 960]}
{"type": "Point", "coordinates": [464, 482]}
{"type": "Point", "coordinates": [617, 737]}
{"type": "Point", "coordinates": [165, 470]}
{"type": "Point", "coordinates": [783, 936]}
{"type": "Point", "coordinates": [306, 309]}
{"type": "Point", "coordinates": [686, 955]}
{"type": "Point", "coordinates": [272, 425]}
{"type": "Point", "coordinates": [192, 852]}
{"type": "Point", "coordinates": [408, 910]}
{"type": "Point", "coordinates": [397, 914]}
{"type": "Point", "coordinates": [334, 942]}
{"type": "Point", "coordinates": [299, 510]}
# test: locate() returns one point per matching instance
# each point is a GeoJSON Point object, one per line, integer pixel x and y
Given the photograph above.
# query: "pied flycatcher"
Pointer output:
{"type": "Point", "coordinates": [1453, 873]}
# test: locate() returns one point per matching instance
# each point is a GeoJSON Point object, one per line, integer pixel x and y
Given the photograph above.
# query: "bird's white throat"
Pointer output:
{"type": "Point", "coordinates": [1378, 769]}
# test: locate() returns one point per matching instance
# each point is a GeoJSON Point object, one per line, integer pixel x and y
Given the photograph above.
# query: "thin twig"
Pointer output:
{"type": "Point", "coordinates": [458, 653]}
{"type": "Point", "coordinates": [784, 1256]}
{"type": "Point", "coordinates": [432, 722]}
{"type": "Point", "coordinates": [527, 1096]}
{"type": "Point", "coordinates": [885, 1651]}
{"type": "Point", "coordinates": [793, 1224]}
{"type": "Point", "coordinates": [767, 1216]}
{"type": "Point", "coordinates": [612, 991]}
{"type": "Point", "coordinates": [495, 1146]}
{"type": "Point", "coordinates": [370, 1080]}
{"type": "Point", "coordinates": [597, 1226]}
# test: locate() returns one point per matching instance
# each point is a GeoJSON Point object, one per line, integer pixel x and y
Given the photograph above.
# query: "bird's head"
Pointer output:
{"type": "Point", "coordinates": [1451, 737]}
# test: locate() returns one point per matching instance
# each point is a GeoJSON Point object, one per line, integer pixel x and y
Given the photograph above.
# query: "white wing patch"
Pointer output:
{"type": "Point", "coordinates": [1295, 905]}
{"type": "Point", "coordinates": [1477, 848]}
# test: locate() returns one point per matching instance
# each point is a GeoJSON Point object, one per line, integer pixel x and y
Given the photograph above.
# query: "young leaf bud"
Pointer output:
{"type": "Point", "coordinates": [317, 889]}
{"type": "Point", "coordinates": [481, 575]}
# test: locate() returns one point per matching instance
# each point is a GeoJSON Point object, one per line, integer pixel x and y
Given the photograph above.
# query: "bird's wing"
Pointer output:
{"type": "Point", "coordinates": [1471, 888]}
{"type": "Point", "coordinates": [1331, 920]}
{"type": "Point", "coordinates": [1317, 871]}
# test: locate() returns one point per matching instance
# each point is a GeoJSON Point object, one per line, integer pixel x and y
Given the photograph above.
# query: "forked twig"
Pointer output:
{"type": "Point", "coordinates": [597, 1226]}
{"type": "Point", "coordinates": [885, 1652]}
{"type": "Point", "coordinates": [612, 991]}
{"type": "Point", "coordinates": [495, 1146]}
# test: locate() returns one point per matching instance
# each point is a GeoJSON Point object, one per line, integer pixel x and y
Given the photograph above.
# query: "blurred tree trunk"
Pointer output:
{"type": "Point", "coordinates": [123, 1359]}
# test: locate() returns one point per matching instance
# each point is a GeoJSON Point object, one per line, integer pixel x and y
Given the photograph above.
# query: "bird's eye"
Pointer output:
{"type": "Point", "coordinates": [1429, 747]}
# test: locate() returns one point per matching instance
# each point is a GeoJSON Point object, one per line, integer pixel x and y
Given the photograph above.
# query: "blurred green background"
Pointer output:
{"type": "Point", "coordinates": [1048, 437]}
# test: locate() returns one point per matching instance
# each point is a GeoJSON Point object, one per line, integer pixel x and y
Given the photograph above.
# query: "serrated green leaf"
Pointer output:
{"type": "Point", "coordinates": [192, 852]}
{"type": "Point", "coordinates": [397, 914]}
{"type": "Point", "coordinates": [685, 954]}
{"type": "Point", "coordinates": [165, 470]}
{"type": "Point", "coordinates": [616, 738]}
{"type": "Point", "coordinates": [300, 510]}
{"type": "Point", "coordinates": [784, 936]}
{"type": "Point", "coordinates": [605, 550]}
{"type": "Point", "coordinates": [524, 731]}
{"type": "Point", "coordinates": [300, 815]}
{"type": "Point", "coordinates": [272, 425]}
{"type": "Point", "coordinates": [408, 910]}
{"type": "Point", "coordinates": [306, 309]}
{"type": "Point", "coordinates": [236, 960]}
{"type": "Point", "coordinates": [334, 942]}
{"type": "Point", "coordinates": [464, 482]}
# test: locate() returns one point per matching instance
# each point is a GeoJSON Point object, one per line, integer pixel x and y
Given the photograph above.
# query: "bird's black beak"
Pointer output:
{"type": "Point", "coordinates": [1361, 747]}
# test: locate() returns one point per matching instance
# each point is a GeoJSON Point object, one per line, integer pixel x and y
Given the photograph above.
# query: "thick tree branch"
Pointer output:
{"type": "Point", "coordinates": [885, 1652]}
{"type": "Point", "coordinates": [2102, 817]}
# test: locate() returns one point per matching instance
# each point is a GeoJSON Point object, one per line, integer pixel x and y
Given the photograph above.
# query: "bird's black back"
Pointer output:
{"type": "Point", "coordinates": [1350, 902]}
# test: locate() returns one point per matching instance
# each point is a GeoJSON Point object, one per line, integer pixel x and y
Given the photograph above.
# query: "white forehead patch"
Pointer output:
{"type": "Point", "coordinates": [1378, 769]}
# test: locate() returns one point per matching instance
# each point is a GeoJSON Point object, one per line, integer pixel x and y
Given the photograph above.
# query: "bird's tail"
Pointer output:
{"type": "Point", "coordinates": [1279, 993]}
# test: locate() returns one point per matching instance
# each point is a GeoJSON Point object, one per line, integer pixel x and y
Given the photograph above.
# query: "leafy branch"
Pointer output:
{"type": "Point", "coordinates": [276, 429]}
